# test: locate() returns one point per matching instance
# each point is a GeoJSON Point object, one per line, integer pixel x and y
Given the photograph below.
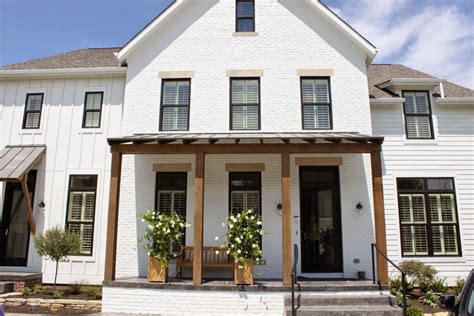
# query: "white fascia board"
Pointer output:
{"type": "Point", "coordinates": [352, 34]}
{"type": "Point", "coordinates": [455, 101]}
{"type": "Point", "coordinates": [145, 33]}
{"type": "Point", "coordinates": [411, 82]}
{"type": "Point", "coordinates": [62, 72]}
{"type": "Point", "coordinates": [387, 101]}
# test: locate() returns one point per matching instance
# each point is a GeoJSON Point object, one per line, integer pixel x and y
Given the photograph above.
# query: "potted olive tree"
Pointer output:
{"type": "Point", "coordinates": [162, 231]}
{"type": "Point", "coordinates": [242, 242]}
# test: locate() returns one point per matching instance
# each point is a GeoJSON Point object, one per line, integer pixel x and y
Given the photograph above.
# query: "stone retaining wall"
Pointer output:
{"type": "Point", "coordinates": [52, 303]}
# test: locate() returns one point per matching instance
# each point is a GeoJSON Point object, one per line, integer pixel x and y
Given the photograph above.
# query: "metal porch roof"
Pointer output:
{"type": "Point", "coordinates": [16, 161]}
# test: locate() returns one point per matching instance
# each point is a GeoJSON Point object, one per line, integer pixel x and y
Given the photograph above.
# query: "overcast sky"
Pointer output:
{"type": "Point", "coordinates": [434, 36]}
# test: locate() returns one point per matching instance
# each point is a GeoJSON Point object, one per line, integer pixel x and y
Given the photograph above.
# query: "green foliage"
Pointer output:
{"type": "Point", "coordinates": [418, 272]}
{"type": "Point", "coordinates": [415, 311]}
{"type": "Point", "coordinates": [430, 298]}
{"type": "Point", "coordinates": [57, 244]}
{"type": "Point", "coordinates": [38, 289]}
{"type": "Point", "coordinates": [395, 286]}
{"type": "Point", "coordinates": [93, 291]}
{"type": "Point", "coordinates": [162, 231]}
{"type": "Point", "coordinates": [460, 282]}
{"type": "Point", "coordinates": [436, 285]}
{"type": "Point", "coordinates": [26, 291]}
{"type": "Point", "coordinates": [57, 295]}
{"type": "Point", "coordinates": [76, 287]}
{"type": "Point", "coordinates": [242, 239]}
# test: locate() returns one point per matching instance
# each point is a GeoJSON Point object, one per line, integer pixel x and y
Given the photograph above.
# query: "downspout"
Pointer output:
{"type": "Point", "coordinates": [441, 90]}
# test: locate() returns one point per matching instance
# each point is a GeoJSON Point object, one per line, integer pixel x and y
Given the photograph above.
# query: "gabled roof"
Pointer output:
{"type": "Point", "coordinates": [317, 5]}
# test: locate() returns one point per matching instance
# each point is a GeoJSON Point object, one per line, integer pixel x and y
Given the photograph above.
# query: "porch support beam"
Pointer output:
{"type": "Point", "coordinates": [198, 217]}
{"type": "Point", "coordinates": [286, 217]}
{"type": "Point", "coordinates": [379, 216]}
{"type": "Point", "coordinates": [27, 203]}
{"type": "Point", "coordinates": [112, 218]}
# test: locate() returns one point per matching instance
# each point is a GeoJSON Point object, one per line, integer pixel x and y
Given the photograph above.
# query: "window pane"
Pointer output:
{"type": "Point", "coordinates": [315, 90]}
{"type": "Point", "coordinates": [34, 102]}
{"type": "Point", "coordinates": [164, 201]}
{"type": "Point", "coordinates": [85, 231]}
{"type": "Point", "coordinates": [245, 9]}
{"type": "Point", "coordinates": [245, 92]}
{"type": "Point", "coordinates": [92, 119]}
{"type": "Point", "coordinates": [176, 93]}
{"type": "Point", "coordinates": [245, 25]}
{"type": "Point", "coordinates": [252, 201]}
{"type": "Point", "coordinates": [316, 116]}
{"type": "Point", "coordinates": [418, 127]}
{"type": "Point", "coordinates": [75, 206]}
{"type": "Point", "coordinates": [411, 184]}
{"type": "Point", "coordinates": [237, 201]}
{"type": "Point", "coordinates": [79, 181]}
{"type": "Point", "coordinates": [175, 118]}
{"type": "Point", "coordinates": [93, 101]}
{"type": "Point", "coordinates": [440, 184]}
{"type": "Point", "coordinates": [32, 120]}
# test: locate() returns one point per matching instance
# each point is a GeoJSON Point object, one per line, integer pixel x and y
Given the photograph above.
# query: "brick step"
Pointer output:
{"type": "Point", "coordinates": [347, 311]}
{"type": "Point", "coordinates": [342, 300]}
{"type": "Point", "coordinates": [6, 287]}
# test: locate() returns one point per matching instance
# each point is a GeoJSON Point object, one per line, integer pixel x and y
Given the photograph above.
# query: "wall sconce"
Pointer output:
{"type": "Point", "coordinates": [41, 204]}
{"type": "Point", "coordinates": [359, 206]}
{"type": "Point", "coordinates": [279, 208]}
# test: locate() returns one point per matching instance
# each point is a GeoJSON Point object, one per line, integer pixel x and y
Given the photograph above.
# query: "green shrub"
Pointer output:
{"type": "Point", "coordinates": [418, 272]}
{"type": "Point", "coordinates": [460, 282]}
{"type": "Point", "coordinates": [38, 289]}
{"type": "Point", "coordinates": [415, 311]}
{"type": "Point", "coordinates": [76, 287]}
{"type": "Point", "coordinates": [57, 295]}
{"type": "Point", "coordinates": [26, 291]}
{"type": "Point", "coordinates": [430, 298]}
{"type": "Point", "coordinates": [395, 286]}
{"type": "Point", "coordinates": [92, 291]}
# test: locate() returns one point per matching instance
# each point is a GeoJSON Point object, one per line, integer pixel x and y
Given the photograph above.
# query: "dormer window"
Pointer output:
{"type": "Point", "coordinates": [245, 16]}
{"type": "Point", "coordinates": [417, 110]}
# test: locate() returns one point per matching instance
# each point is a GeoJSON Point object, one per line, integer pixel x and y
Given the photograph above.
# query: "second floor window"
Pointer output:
{"type": "Point", "coordinates": [175, 101]}
{"type": "Point", "coordinates": [33, 107]}
{"type": "Point", "coordinates": [245, 103]}
{"type": "Point", "coordinates": [92, 109]}
{"type": "Point", "coordinates": [245, 16]}
{"type": "Point", "coordinates": [417, 109]}
{"type": "Point", "coordinates": [316, 103]}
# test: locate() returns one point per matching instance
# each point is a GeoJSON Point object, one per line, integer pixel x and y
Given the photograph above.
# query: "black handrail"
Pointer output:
{"type": "Point", "coordinates": [294, 279]}
{"type": "Point", "coordinates": [404, 275]}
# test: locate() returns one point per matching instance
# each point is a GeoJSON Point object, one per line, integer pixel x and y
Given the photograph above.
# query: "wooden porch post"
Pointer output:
{"type": "Point", "coordinates": [27, 203]}
{"type": "Point", "coordinates": [379, 215]}
{"type": "Point", "coordinates": [286, 217]}
{"type": "Point", "coordinates": [112, 219]}
{"type": "Point", "coordinates": [198, 217]}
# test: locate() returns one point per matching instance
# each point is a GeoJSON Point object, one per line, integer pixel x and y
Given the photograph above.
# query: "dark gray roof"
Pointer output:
{"type": "Point", "coordinates": [82, 58]}
{"type": "Point", "coordinates": [104, 57]}
{"type": "Point", "coordinates": [16, 161]}
{"type": "Point", "coordinates": [379, 73]}
{"type": "Point", "coordinates": [212, 138]}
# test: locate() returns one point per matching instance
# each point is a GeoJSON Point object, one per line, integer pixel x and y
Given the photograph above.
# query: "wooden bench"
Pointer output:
{"type": "Point", "coordinates": [210, 259]}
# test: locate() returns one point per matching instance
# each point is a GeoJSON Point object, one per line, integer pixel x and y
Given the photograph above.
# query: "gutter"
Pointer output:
{"type": "Point", "coordinates": [455, 101]}
{"type": "Point", "coordinates": [411, 82]}
{"type": "Point", "coordinates": [386, 101]}
{"type": "Point", "coordinates": [73, 72]}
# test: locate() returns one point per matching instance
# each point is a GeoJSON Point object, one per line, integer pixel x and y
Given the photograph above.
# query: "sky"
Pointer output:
{"type": "Point", "coordinates": [434, 36]}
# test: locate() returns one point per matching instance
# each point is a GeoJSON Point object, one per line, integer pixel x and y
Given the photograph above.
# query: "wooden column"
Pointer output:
{"type": "Point", "coordinates": [379, 215]}
{"type": "Point", "coordinates": [27, 203]}
{"type": "Point", "coordinates": [286, 217]}
{"type": "Point", "coordinates": [198, 217]}
{"type": "Point", "coordinates": [112, 219]}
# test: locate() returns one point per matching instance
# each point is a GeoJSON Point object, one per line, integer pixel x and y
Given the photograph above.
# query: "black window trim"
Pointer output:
{"type": "Point", "coordinates": [328, 104]}
{"type": "Point", "coordinates": [237, 18]}
{"type": "Point", "coordinates": [26, 112]}
{"type": "Point", "coordinates": [429, 115]}
{"type": "Point", "coordinates": [259, 104]}
{"type": "Point", "coordinates": [162, 105]}
{"type": "Point", "coordinates": [83, 189]}
{"type": "Point", "coordinates": [84, 114]}
{"type": "Point", "coordinates": [428, 225]}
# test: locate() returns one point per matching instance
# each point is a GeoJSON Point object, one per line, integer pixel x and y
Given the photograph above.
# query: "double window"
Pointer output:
{"type": "Point", "coordinates": [81, 209]}
{"type": "Point", "coordinates": [33, 107]}
{"type": "Point", "coordinates": [316, 103]}
{"type": "Point", "coordinates": [175, 101]}
{"type": "Point", "coordinates": [245, 16]}
{"type": "Point", "coordinates": [245, 103]}
{"type": "Point", "coordinates": [171, 196]}
{"type": "Point", "coordinates": [418, 120]}
{"type": "Point", "coordinates": [245, 191]}
{"type": "Point", "coordinates": [428, 217]}
{"type": "Point", "coordinates": [92, 109]}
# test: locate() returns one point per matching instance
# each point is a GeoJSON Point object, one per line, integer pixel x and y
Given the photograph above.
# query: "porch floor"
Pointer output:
{"type": "Point", "coordinates": [324, 285]}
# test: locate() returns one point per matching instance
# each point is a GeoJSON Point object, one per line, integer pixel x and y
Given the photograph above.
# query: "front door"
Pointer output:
{"type": "Point", "coordinates": [321, 242]}
{"type": "Point", "coordinates": [14, 229]}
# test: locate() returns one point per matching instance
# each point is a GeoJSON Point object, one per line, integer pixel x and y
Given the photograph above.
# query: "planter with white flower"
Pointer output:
{"type": "Point", "coordinates": [242, 241]}
{"type": "Point", "coordinates": [162, 231]}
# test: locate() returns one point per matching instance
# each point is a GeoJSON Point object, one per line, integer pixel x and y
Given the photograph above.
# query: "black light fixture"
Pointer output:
{"type": "Point", "coordinates": [279, 206]}
{"type": "Point", "coordinates": [41, 204]}
{"type": "Point", "coordinates": [359, 206]}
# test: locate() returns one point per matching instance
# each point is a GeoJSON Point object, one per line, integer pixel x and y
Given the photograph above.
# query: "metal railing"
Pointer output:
{"type": "Point", "coordinates": [404, 275]}
{"type": "Point", "coordinates": [294, 279]}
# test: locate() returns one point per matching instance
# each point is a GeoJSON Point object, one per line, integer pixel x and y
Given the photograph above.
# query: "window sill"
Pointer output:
{"type": "Point", "coordinates": [420, 142]}
{"type": "Point", "coordinates": [440, 259]}
{"type": "Point", "coordinates": [245, 34]}
{"type": "Point", "coordinates": [89, 131]}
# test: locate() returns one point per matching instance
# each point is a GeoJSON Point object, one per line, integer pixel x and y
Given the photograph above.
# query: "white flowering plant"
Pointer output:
{"type": "Point", "coordinates": [242, 239]}
{"type": "Point", "coordinates": [162, 231]}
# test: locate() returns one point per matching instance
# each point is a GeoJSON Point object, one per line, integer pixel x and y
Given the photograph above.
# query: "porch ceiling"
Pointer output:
{"type": "Point", "coordinates": [247, 138]}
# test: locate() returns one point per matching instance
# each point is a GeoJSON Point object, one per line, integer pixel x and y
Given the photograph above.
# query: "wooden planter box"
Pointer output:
{"type": "Point", "coordinates": [156, 271]}
{"type": "Point", "coordinates": [243, 273]}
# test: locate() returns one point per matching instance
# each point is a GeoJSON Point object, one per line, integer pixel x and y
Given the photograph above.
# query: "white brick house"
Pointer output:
{"type": "Point", "coordinates": [246, 89]}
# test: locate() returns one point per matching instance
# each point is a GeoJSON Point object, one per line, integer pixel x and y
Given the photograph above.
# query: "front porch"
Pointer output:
{"type": "Point", "coordinates": [207, 158]}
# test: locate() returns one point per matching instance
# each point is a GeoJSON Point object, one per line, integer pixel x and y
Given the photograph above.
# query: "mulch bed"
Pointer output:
{"type": "Point", "coordinates": [426, 308]}
{"type": "Point", "coordinates": [42, 310]}
{"type": "Point", "coordinates": [68, 293]}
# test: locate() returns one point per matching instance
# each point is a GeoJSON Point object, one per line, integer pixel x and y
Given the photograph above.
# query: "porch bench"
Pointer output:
{"type": "Point", "coordinates": [210, 259]}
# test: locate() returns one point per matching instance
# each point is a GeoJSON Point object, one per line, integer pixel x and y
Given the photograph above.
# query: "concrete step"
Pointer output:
{"type": "Point", "coordinates": [341, 300]}
{"type": "Point", "coordinates": [347, 311]}
{"type": "Point", "coordinates": [6, 287]}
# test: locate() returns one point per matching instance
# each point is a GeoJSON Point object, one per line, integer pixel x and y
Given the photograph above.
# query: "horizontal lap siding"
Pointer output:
{"type": "Point", "coordinates": [451, 154]}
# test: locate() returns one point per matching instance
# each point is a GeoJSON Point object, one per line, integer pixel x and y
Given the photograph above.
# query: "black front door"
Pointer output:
{"type": "Point", "coordinates": [321, 242]}
{"type": "Point", "coordinates": [14, 229]}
